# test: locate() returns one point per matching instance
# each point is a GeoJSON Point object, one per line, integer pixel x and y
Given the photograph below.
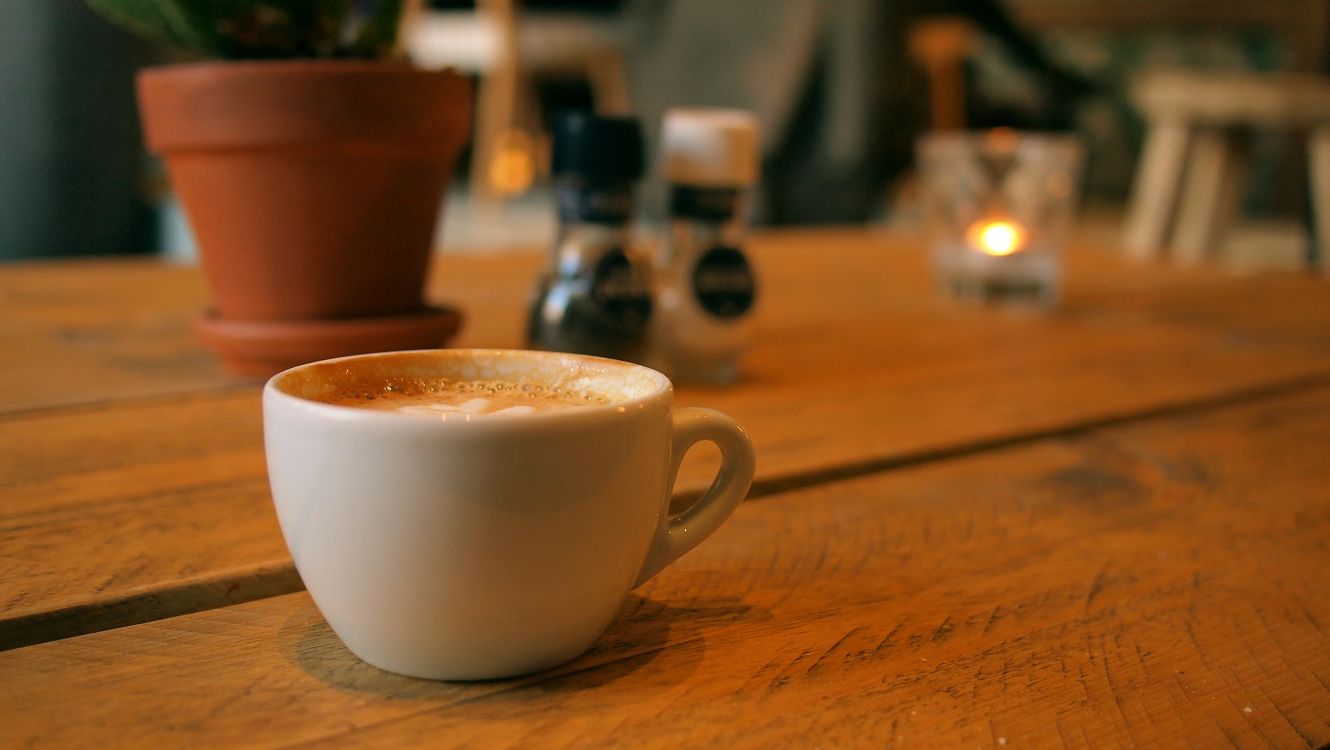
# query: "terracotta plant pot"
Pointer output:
{"type": "Point", "coordinates": [313, 188]}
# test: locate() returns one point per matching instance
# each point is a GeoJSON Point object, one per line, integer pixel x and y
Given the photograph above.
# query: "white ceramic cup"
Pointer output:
{"type": "Point", "coordinates": [461, 550]}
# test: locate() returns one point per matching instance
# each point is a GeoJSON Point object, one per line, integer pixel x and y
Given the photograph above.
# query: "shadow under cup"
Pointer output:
{"type": "Point", "coordinates": [488, 547]}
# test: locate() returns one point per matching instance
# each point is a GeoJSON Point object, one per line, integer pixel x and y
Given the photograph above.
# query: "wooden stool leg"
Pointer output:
{"type": "Point", "coordinates": [609, 84]}
{"type": "Point", "coordinates": [1210, 194]}
{"type": "Point", "coordinates": [942, 44]}
{"type": "Point", "coordinates": [1318, 152]}
{"type": "Point", "coordinates": [1156, 187]}
{"type": "Point", "coordinates": [496, 99]}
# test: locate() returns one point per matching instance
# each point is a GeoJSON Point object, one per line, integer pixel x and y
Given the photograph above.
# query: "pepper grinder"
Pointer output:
{"type": "Point", "coordinates": [705, 285]}
{"type": "Point", "coordinates": [595, 297]}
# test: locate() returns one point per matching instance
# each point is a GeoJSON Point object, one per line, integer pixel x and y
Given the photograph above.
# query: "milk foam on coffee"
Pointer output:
{"type": "Point", "coordinates": [441, 398]}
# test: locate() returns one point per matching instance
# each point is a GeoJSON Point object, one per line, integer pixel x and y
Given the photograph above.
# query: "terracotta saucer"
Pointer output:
{"type": "Point", "coordinates": [265, 348]}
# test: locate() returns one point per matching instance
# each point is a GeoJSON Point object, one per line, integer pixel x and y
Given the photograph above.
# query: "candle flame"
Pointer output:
{"type": "Point", "coordinates": [513, 165]}
{"type": "Point", "coordinates": [997, 237]}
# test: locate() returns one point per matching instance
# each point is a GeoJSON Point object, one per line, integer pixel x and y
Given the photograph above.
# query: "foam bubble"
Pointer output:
{"type": "Point", "coordinates": [438, 398]}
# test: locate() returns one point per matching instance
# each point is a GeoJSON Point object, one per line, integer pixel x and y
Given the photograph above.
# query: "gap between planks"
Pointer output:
{"type": "Point", "coordinates": [278, 578]}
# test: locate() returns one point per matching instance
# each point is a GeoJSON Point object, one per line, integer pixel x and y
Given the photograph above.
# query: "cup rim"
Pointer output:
{"type": "Point", "coordinates": [663, 390]}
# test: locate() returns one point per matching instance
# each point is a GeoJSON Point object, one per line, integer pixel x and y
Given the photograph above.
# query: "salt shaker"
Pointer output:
{"type": "Point", "coordinates": [596, 296]}
{"type": "Point", "coordinates": [705, 284]}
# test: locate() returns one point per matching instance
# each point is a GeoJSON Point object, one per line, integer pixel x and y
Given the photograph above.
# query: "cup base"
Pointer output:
{"type": "Point", "coordinates": [471, 670]}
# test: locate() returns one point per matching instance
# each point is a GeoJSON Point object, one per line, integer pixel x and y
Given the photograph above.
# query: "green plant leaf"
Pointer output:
{"type": "Point", "coordinates": [249, 29]}
{"type": "Point", "coordinates": [378, 34]}
{"type": "Point", "coordinates": [162, 21]}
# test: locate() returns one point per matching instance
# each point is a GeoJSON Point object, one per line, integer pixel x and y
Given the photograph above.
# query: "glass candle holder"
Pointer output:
{"type": "Point", "coordinates": [999, 205]}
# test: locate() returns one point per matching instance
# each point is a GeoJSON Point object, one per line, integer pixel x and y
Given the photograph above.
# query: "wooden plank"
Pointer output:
{"type": "Point", "coordinates": [89, 332]}
{"type": "Point", "coordinates": [126, 512]}
{"type": "Point", "coordinates": [85, 331]}
{"type": "Point", "coordinates": [1157, 583]}
{"type": "Point", "coordinates": [103, 513]}
{"type": "Point", "coordinates": [80, 333]}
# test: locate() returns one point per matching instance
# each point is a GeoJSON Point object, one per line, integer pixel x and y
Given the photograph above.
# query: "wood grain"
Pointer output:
{"type": "Point", "coordinates": [91, 332]}
{"type": "Point", "coordinates": [124, 511]}
{"type": "Point", "coordinates": [86, 331]}
{"type": "Point", "coordinates": [97, 331]}
{"type": "Point", "coordinates": [1156, 583]}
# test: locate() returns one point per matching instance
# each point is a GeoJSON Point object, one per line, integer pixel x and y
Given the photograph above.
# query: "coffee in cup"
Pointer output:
{"type": "Point", "coordinates": [439, 397]}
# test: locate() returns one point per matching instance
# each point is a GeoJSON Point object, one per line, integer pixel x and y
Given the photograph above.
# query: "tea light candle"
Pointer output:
{"type": "Point", "coordinates": [996, 237]}
{"type": "Point", "coordinates": [999, 204]}
{"type": "Point", "coordinates": [1000, 259]}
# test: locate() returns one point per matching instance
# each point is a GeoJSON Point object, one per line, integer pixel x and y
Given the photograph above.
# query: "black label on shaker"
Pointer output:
{"type": "Point", "coordinates": [620, 291]}
{"type": "Point", "coordinates": [611, 204]}
{"type": "Point", "coordinates": [723, 282]}
{"type": "Point", "coordinates": [707, 204]}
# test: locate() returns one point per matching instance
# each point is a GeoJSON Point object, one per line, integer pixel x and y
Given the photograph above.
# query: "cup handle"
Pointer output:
{"type": "Point", "coordinates": [681, 532]}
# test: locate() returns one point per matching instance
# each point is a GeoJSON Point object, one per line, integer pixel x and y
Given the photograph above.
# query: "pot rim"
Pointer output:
{"type": "Point", "coordinates": [229, 105]}
{"type": "Point", "coordinates": [333, 66]}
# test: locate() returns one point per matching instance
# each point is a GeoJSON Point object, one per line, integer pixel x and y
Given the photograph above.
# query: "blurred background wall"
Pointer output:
{"type": "Point", "coordinates": [72, 169]}
{"type": "Point", "coordinates": [840, 95]}
{"type": "Point", "coordinates": [1112, 42]}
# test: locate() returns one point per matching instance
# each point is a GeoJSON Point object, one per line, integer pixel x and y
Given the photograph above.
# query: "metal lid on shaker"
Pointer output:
{"type": "Point", "coordinates": [595, 148]}
{"type": "Point", "coordinates": [710, 147]}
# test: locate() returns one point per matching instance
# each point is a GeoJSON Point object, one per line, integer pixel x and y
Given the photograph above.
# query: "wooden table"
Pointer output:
{"type": "Point", "coordinates": [1107, 525]}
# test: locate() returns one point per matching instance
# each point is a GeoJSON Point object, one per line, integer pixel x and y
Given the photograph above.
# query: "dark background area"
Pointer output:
{"type": "Point", "coordinates": [74, 179]}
